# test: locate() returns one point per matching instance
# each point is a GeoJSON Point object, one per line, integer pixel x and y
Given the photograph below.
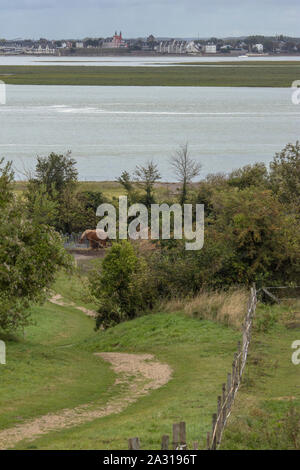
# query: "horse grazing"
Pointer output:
{"type": "Point", "coordinates": [92, 237]}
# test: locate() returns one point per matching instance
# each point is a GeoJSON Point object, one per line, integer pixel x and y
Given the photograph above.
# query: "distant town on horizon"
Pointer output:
{"type": "Point", "coordinates": [256, 45]}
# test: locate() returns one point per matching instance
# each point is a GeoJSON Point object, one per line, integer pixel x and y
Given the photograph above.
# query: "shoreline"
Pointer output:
{"type": "Point", "coordinates": [151, 54]}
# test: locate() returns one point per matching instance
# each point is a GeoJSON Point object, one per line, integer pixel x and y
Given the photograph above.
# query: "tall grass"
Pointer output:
{"type": "Point", "coordinates": [228, 308]}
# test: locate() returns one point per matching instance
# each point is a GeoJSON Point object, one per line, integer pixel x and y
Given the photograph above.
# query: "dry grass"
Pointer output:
{"type": "Point", "coordinates": [228, 308]}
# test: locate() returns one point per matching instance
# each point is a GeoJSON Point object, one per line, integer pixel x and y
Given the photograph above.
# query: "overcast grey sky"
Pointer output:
{"type": "Point", "coordinates": [179, 18]}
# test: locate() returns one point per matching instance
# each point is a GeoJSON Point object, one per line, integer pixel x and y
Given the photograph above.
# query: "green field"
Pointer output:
{"type": "Point", "coordinates": [53, 367]}
{"type": "Point", "coordinates": [251, 74]}
{"type": "Point", "coordinates": [113, 189]}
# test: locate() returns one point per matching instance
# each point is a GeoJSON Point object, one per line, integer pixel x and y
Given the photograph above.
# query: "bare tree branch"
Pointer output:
{"type": "Point", "coordinates": [185, 169]}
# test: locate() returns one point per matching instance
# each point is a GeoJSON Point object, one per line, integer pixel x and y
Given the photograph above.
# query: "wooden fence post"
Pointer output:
{"type": "Point", "coordinates": [179, 435]}
{"type": "Point", "coordinates": [213, 434]}
{"type": "Point", "coordinates": [182, 435]}
{"type": "Point", "coordinates": [208, 441]}
{"type": "Point", "coordinates": [232, 374]}
{"type": "Point", "coordinates": [165, 442]}
{"type": "Point", "coordinates": [239, 363]}
{"type": "Point", "coordinates": [235, 372]}
{"type": "Point", "coordinates": [219, 423]}
{"type": "Point", "coordinates": [134, 443]}
{"type": "Point", "coordinates": [176, 434]}
{"type": "Point", "coordinates": [228, 391]}
{"type": "Point", "coordinates": [224, 405]}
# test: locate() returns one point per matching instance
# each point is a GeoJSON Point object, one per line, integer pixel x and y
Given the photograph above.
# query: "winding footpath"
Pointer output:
{"type": "Point", "coordinates": [138, 374]}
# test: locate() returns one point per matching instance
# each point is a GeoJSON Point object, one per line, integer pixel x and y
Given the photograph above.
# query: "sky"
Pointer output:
{"type": "Point", "coordinates": [75, 19]}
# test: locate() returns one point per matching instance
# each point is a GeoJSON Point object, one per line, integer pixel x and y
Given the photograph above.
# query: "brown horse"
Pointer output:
{"type": "Point", "coordinates": [92, 237]}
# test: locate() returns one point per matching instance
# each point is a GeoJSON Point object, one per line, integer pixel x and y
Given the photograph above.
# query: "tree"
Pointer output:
{"type": "Point", "coordinates": [185, 169]}
{"type": "Point", "coordinates": [259, 240]}
{"type": "Point", "coordinates": [83, 214]}
{"type": "Point", "coordinates": [151, 41]}
{"type": "Point", "coordinates": [127, 183]}
{"type": "Point", "coordinates": [56, 172]}
{"type": "Point", "coordinates": [41, 208]}
{"type": "Point", "coordinates": [55, 178]}
{"type": "Point", "coordinates": [249, 175]}
{"type": "Point", "coordinates": [6, 179]}
{"type": "Point", "coordinates": [30, 255]}
{"type": "Point", "coordinates": [285, 175]}
{"type": "Point", "coordinates": [147, 176]}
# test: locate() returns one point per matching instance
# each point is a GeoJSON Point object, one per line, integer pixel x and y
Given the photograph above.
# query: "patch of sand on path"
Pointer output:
{"type": "Point", "coordinates": [137, 373]}
{"type": "Point", "coordinates": [58, 300]}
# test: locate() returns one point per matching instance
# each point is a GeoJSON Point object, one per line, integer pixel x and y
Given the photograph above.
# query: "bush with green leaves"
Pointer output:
{"type": "Point", "coordinates": [122, 286]}
{"type": "Point", "coordinates": [249, 237]}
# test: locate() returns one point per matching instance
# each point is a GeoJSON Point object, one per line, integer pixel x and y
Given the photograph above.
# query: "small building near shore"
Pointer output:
{"type": "Point", "coordinates": [210, 49]}
{"type": "Point", "coordinates": [259, 48]}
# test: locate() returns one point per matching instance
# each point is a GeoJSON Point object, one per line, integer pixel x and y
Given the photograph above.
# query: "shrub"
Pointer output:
{"type": "Point", "coordinates": [266, 319]}
{"type": "Point", "coordinates": [122, 286]}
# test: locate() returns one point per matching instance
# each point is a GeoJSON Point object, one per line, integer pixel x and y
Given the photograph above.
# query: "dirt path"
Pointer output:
{"type": "Point", "coordinates": [58, 300]}
{"type": "Point", "coordinates": [138, 373]}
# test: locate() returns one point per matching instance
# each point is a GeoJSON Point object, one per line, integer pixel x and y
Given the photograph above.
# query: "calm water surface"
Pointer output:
{"type": "Point", "coordinates": [110, 129]}
{"type": "Point", "coordinates": [131, 61]}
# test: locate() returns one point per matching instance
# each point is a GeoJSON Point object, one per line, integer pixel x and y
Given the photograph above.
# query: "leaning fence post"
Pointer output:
{"type": "Point", "coordinates": [165, 442]}
{"type": "Point", "coordinates": [224, 405]}
{"type": "Point", "coordinates": [235, 371]}
{"type": "Point", "coordinates": [134, 443]}
{"type": "Point", "coordinates": [213, 433]}
{"type": "Point", "coordinates": [228, 391]}
{"type": "Point", "coordinates": [218, 431]}
{"type": "Point", "coordinates": [239, 360]}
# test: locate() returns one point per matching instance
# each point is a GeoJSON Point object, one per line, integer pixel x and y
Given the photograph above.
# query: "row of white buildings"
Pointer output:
{"type": "Point", "coordinates": [194, 47]}
{"type": "Point", "coordinates": [185, 47]}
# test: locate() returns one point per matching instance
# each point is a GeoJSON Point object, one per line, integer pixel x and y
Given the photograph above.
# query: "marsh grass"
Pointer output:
{"type": "Point", "coordinates": [227, 308]}
{"type": "Point", "coordinates": [264, 74]}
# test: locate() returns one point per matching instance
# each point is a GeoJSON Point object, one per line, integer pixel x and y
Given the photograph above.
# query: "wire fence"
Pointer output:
{"type": "Point", "coordinates": [279, 293]}
{"type": "Point", "coordinates": [71, 241]}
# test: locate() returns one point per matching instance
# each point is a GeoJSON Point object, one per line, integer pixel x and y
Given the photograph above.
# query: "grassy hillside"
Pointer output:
{"type": "Point", "coordinates": [46, 370]}
{"type": "Point", "coordinates": [198, 353]}
{"type": "Point", "coordinates": [54, 367]}
{"type": "Point", "coordinates": [262, 74]}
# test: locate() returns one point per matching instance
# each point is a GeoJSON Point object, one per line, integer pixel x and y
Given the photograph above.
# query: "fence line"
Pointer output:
{"type": "Point", "coordinates": [230, 389]}
{"type": "Point", "coordinates": [225, 400]}
{"type": "Point", "coordinates": [269, 292]}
